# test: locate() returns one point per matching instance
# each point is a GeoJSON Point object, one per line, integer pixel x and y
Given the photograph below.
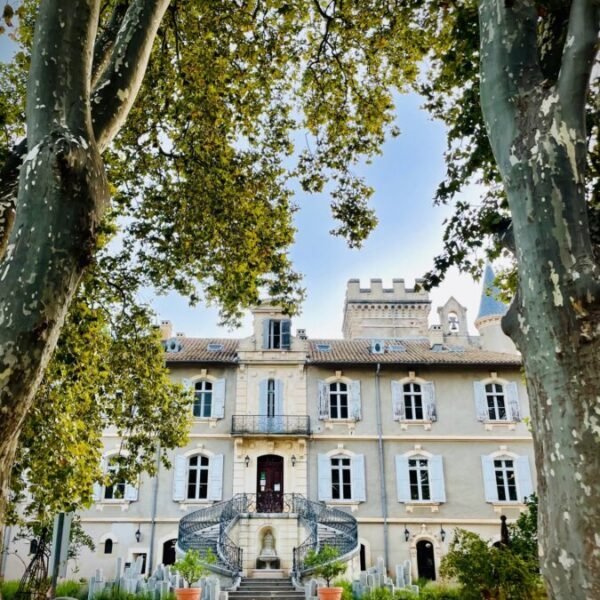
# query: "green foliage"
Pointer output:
{"type": "Point", "coordinates": [378, 594]}
{"type": "Point", "coordinates": [193, 565]}
{"type": "Point", "coordinates": [524, 534]}
{"type": "Point", "coordinates": [8, 589]}
{"type": "Point", "coordinates": [69, 588]}
{"type": "Point", "coordinates": [346, 586]}
{"type": "Point", "coordinates": [107, 371]}
{"type": "Point", "coordinates": [116, 593]}
{"type": "Point", "coordinates": [485, 571]}
{"type": "Point", "coordinates": [324, 563]}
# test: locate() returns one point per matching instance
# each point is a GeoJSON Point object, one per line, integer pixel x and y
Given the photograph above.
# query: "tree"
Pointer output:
{"type": "Point", "coordinates": [198, 174]}
{"type": "Point", "coordinates": [485, 571]}
{"type": "Point", "coordinates": [524, 535]}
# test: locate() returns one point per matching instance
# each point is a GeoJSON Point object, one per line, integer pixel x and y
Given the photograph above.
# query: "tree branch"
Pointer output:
{"type": "Point", "coordinates": [579, 52]}
{"type": "Point", "coordinates": [106, 42]}
{"type": "Point", "coordinates": [59, 77]}
{"type": "Point", "coordinates": [509, 67]}
{"type": "Point", "coordinates": [119, 84]}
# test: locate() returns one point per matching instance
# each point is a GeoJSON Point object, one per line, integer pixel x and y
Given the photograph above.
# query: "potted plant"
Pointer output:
{"type": "Point", "coordinates": [325, 565]}
{"type": "Point", "coordinates": [192, 567]}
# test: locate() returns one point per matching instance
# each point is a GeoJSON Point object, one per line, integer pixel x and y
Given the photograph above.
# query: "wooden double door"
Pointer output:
{"type": "Point", "coordinates": [269, 484]}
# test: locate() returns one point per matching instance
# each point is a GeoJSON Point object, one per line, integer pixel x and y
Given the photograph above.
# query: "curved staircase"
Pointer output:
{"type": "Point", "coordinates": [209, 528]}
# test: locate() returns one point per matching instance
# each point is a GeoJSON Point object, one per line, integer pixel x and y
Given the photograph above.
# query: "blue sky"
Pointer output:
{"type": "Point", "coordinates": [407, 238]}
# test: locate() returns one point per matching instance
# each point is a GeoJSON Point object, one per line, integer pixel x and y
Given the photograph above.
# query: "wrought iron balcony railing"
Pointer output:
{"type": "Point", "coordinates": [266, 425]}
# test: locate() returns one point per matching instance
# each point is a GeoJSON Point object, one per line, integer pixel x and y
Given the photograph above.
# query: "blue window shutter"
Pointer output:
{"type": "Point", "coordinates": [263, 388]}
{"type": "Point", "coordinates": [187, 384]}
{"type": "Point", "coordinates": [355, 404]}
{"type": "Point", "coordinates": [131, 492]}
{"type": "Point", "coordinates": [286, 326]}
{"type": "Point", "coordinates": [266, 326]}
{"type": "Point", "coordinates": [359, 488]}
{"type": "Point", "coordinates": [324, 475]}
{"type": "Point", "coordinates": [397, 401]}
{"type": "Point", "coordinates": [524, 482]}
{"type": "Point", "coordinates": [179, 473]}
{"type": "Point", "coordinates": [323, 400]}
{"type": "Point", "coordinates": [436, 479]}
{"type": "Point", "coordinates": [97, 490]}
{"type": "Point", "coordinates": [402, 478]}
{"type": "Point", "coordinates": [512, 400]}
{"type": "Point", "coordinates": [429, 397]}
{"type": "Point", "coordinates": [480, 401]}
{"type": "Point", "coordinates": [215, 477]}
{"type": "Point", "coordinates": [218, 399]}
{"type": "Point", "coordinates": [489, 479]}
{"type": "Point", "coordinates": [278, 405]}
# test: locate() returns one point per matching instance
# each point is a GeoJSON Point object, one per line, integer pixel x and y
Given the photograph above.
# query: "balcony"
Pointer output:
{"type": "Point", "coordinates": [290, 425]}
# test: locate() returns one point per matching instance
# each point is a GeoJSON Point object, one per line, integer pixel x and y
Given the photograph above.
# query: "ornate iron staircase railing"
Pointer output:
{"type": "Point", "coordinates": [208, 528]}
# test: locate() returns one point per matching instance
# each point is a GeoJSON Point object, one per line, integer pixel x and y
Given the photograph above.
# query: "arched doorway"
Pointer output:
{"type": "Point", "coordinates": [425, 560]}
{"type": "Point", "coordinates": [168, 553]}
{"type": "Point", "coordinates": [269, 484]}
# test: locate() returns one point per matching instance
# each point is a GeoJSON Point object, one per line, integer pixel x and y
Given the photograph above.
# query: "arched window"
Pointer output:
{"type": "Point", "coordinates": [108, 546]}
{"type": "Point", "coordinates": [338, 400]}
{"type": "Point", "coordinates": [116, 490]}
{"type": "Point", "coordinates": [453, 324]}
{"type": "Point", "coordinates": [203, 393]}
{"type": "Point", "coordinates": [197, 478]}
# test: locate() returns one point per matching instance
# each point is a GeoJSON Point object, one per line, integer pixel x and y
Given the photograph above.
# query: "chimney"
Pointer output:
{"type": "Point", "coordinates": [166, 330]}
{"type": "Point", "coordinates": [301, 334]}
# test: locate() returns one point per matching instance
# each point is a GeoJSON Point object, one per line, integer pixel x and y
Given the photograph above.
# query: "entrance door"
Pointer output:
{"type": "Point", "coordinates": [168, 556]}
{"type": "Point", "coordinates": [269, 484]}
{"type": "Point", "coordinates": [425, 560]}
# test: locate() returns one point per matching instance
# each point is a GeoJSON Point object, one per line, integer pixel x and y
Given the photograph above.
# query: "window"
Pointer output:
{"type": "Point", "coordinates": [203, 399]}
{"type": "Point", "coordinates": [197, 478]}
{"type": "Point", "coordinates": [270, 398]}
{"type": "Point", "coordinates": [496, 403]}
{"type": "Point", "coordinates": [338, 400]}
{"type": "Point", "coordinates": [453, 324]}
{"type": "Point", "coordinates": [418, 472]}
{"type": "Point", "coordinates": [33, 546]}
{"type": "Point", "coordinates": [108, 546]}
{"type": "Point", "coordinates": [341, 479]}
{"type": "Point", "coordinates": [506, 483]}
{"type": "Point", "coordinates": [116, 490]}
{"type": "Point", "coordinates": [413, 402]}
{"type": "Point", "coordinates": [277, 334]}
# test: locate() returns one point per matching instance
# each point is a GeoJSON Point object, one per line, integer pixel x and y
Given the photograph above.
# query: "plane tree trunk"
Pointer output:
{"type": "Point", "coordinates": [537, 132]}
{"type": "Point", "coordinates": [49, 218]}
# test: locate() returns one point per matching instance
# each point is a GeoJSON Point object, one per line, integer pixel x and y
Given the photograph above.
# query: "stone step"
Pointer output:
{"type": "Point", "coordinates": [281, 595]}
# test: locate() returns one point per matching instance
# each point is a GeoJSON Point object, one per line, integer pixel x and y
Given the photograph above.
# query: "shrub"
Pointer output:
{"type": "Point", "coordinates": [8, 589]}
{"type": "Point", "coordinates": [69, 588]}
{"type": "Point", "coordinates": [378, 594]}
{"type": "Point", "coordinates": [193, 565]}
{"type": "Point", "coordinates": [324, 564]}
{"type": "Point", "coordinates": [346, 586]}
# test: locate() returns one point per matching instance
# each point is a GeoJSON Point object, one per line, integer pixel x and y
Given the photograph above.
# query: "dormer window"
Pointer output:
{"type": "Point", "coordinates": [173, 345]}
{"type": "Point", "coordinates": [276, 334]}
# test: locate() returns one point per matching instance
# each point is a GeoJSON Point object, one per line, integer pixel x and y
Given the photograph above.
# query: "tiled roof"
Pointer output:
{"type": "Point", "coordinates": [489, 305]}
{"type": "Point", "coordinates": [416, 352]}
{"type": "Point", "coordinates": [196, 350]}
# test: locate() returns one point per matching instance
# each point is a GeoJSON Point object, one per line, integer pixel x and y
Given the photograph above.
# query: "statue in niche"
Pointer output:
{"type": "Point", "coordinates": [267, 559]}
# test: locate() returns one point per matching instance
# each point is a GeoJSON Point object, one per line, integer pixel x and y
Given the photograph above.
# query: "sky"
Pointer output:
{"type": "Point", "coordinates": [408, 236]}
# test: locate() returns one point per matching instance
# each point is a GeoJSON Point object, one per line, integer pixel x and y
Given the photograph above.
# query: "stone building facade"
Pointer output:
{"type": "Point", "coordinates": [410, 430]}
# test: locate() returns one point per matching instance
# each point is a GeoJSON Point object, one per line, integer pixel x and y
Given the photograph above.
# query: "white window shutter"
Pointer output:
{"type": "Point", "coordinates": [398, 401]}
{"type": "Point", "coordinates": [215, 477]}
{"type": "Point", "coordinates": [187, 384]}
{"type": "Point", "coordinates": [489, 479]}
{"type": "Point", "coordinates": [179, 473]}
{"type": "Point", "coordinates": [480, 401]}
{"type": "Point", "coordinates": [265, 340]}
{"type": "Point", "coordinates": [131, 492]}
{"type": "Point", "coordinates": [98, 487]}
{"type": "Point", "coordinates": [512, 397]}
{"type": "Point", "coordinates": [402, 478]}
{"type": "Point", "coordinates": [323, 400]}
{"type": "Point", "coordinates": [359, 487]}
{"type": "Point", "coordinates": [218, 399]}
{"type": "Point", "coordinates": [324, 474]}
{"type": "Point", "coordinates": [355, 404]}
{"type": "Point", "coordinates": [524, 481]}
{"type": "Point", "coordinates": [263, 390]}
{"type": "Point", "coordinates": [429, 397]}
{"type": "Point", "coordinates": [278, 421]}
{"type": "Point", "coordinates": [436, 479]}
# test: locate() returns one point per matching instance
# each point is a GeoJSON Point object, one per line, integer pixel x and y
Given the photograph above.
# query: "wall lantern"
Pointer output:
{"type": "Point", "coordinates": [406, 534]}
{"type": "Point", "coordinates": [442, 533]}
{"type": "Point", "coordinates": [293, 459]}
{"type": "Point", "coordinates": [247, 460]}
{"type": "Point", "coordinates": [138, 535]}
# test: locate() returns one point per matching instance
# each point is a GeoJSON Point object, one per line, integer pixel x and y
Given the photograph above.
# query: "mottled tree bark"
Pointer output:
{"type": "Point", "coordinates": [537, 132]}
{"type": "Point", "coordinates": [62, 194]}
